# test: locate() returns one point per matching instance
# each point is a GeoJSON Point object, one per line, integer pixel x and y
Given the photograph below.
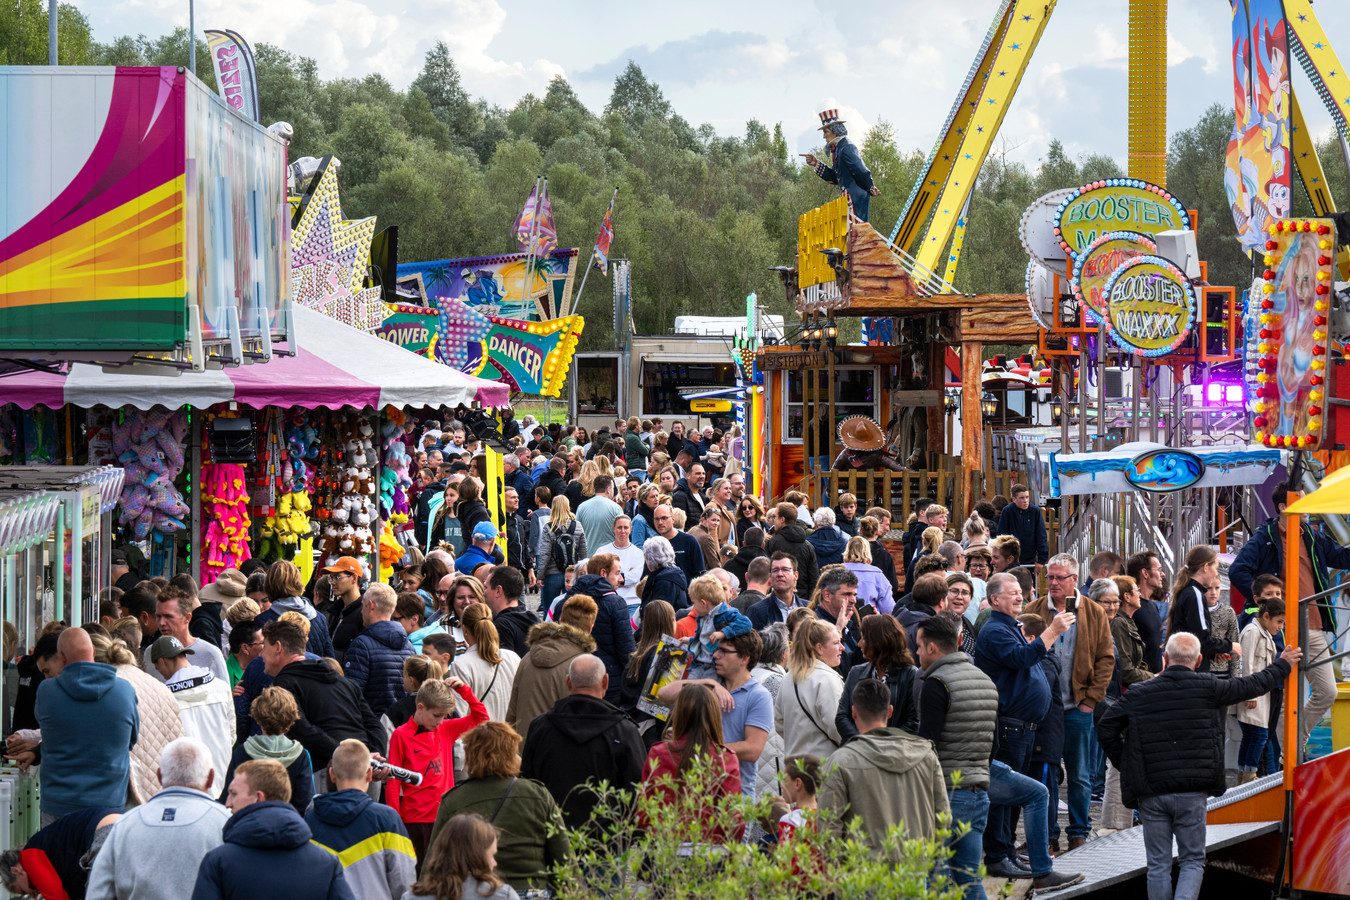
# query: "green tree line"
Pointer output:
{"type": "Point", "coordinates": [702, 217]}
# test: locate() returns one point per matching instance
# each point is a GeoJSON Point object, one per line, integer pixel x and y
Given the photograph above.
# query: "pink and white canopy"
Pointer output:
{"type": "Point", "coordinates": [336, 366]}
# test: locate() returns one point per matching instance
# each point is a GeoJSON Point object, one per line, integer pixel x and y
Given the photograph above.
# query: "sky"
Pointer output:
{"type": "Point", "coordinates": [779, 62]}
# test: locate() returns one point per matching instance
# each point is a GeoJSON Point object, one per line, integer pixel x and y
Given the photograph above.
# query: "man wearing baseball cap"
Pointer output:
{"type": "Point", "coordinates": [205, 704]}
{"type": "Point", "coordinates": [846, 168]}
{"type": "Point", "coordinates": [483, 549]}
{"type": "Point", "coordinates": [345, 577]}
{"type": "Point", "coordinates": [122, 576]}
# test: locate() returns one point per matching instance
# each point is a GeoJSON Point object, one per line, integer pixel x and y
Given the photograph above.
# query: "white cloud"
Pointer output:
{"type": "Point", "coordinates": [780, 61]}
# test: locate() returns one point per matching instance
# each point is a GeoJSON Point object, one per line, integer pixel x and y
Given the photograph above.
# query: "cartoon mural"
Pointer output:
{"type": "Point", "coordinates": [1300, 271]}
{"type": "Point", "coordinates": [496, 285]}
{"type": "Point", "coordinates": [1257, 169]}
{"type": "Point", "coordinates": [532, 357]}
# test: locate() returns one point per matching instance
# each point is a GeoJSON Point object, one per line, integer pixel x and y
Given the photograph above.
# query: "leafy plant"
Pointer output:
{"type": "Point", "coordinates": [668, 844]}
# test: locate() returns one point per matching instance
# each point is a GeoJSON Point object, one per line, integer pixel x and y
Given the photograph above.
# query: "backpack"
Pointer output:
{"type": "Point", "coordinates": [562, 548]}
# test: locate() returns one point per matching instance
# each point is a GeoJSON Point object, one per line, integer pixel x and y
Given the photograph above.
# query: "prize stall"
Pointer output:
{"type": "Point", "coordinates": [307, 458]}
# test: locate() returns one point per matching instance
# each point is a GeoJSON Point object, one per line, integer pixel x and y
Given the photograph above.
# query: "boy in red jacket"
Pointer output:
{"type": "Point", "coordinates": [426, 744]}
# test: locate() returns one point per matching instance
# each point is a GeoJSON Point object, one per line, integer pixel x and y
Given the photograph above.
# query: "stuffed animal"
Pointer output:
{"type": "Point", "coordinates": [225, 520]}
{"type": "Point", "coordinates": [149, 445]}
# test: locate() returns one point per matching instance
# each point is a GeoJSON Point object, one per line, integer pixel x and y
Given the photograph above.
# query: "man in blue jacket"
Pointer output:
{"type": "Point", "coordinates": [1025, 522]}
{"type": "Point", "coordinates": [846, 168]}
{"type": "Point", "coordinates": [1264, 555]}
{"type": "Point", "coordinates": [374, 663]}
{"type": "Point", "coordinates": [89, 724]}
{"type": "Point", "coordinates": [267, 851]}
{"type": "Point", "coordinates": [1012, 663]}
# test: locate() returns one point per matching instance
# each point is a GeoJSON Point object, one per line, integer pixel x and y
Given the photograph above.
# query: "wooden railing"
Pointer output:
{"type": "Point", "coordinates": [898, 491]}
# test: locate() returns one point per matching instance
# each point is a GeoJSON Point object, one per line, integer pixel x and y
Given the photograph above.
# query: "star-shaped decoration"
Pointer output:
{"type": "Point", "coordinates": [979, 130]}
{"type": "Point", "coordinates": [1015, 46]}
{"type": "Point", "coordinates": [992, 101]}
{"type": "Point", "coordinates": [1001, 74]}
{"type": "Point", "coordinates": [330, 256]}
{"type": "Point", "coordinates": [1303, 18]}
{"type": "Point", "coordinates": [1318, 46]}
{"type": "Point", "coordinates": [1026, 18]}
{"type": "Point", "coordinates": [461, 328]}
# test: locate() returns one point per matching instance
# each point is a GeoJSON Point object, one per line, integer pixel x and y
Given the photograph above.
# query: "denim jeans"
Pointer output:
{"type": "Point", "coordinates": [1252, 748]}
{"type": "Point", "coordinates": [1015, 743]}
{"type": "Point", "coordinates": [1013, 790]}
{"type": "Point", "coordinates": [553, 585]}
{"type": "Point", "coordinates": [1182, 816]}
{"type": "Point", "coordinates": [1079, 759]}
{"type": "Point", "coordinates": [1048, 775]}
{"type": "Point", "coordinates": [969, 807]}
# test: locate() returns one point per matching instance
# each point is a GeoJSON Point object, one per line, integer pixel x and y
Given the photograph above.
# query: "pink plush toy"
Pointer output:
{"type": "Point", "coordinates": [150, 447]}
{"type": "Point", "coordinates": [225, 519]}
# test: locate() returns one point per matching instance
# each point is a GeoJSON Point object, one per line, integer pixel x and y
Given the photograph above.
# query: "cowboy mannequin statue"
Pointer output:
{"type": "Point", "coordinates": [866, 446]}
{"type": "Point", "coordinates": [846, 167]}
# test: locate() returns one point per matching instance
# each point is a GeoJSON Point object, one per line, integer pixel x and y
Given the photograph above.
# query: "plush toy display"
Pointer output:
{"type": "Point", "coordinates": [149, 446]}
{"type": "Point", "coordinates": [225, 519]}
{"type": "Point", "coordinates": [350, 530]}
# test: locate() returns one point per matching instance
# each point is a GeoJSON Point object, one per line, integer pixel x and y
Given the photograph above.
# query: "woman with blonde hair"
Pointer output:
{"type": "Point", "coordinates": [929, 540]}
{"type": "Point", "coordinates": [158, 711]}
{"type": "Point", "coordinates": [561, 538]}
{"type": "Point", "coordinates": [873, 587]}
{"type": "Point", "coordinates": [804, 710]}
{"type": "Point", "coordinates": [486, 667]}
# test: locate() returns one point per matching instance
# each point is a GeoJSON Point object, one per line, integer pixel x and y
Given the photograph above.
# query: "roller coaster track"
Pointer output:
{"type": "Point", "coordinates": [940, 195]}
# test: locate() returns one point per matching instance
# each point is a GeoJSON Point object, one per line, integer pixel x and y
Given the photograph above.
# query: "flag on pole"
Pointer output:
{"type": "Point", "coordinates": [534, 225]}
{"type": "Point", "coordinates": [545, 234]}
{"type": "Point", "coordinates": [603, 239]}
{"type": "Point", "coordinates": [524, 225]}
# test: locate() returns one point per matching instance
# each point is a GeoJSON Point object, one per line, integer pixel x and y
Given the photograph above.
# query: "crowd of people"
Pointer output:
{"type": "Point", "coordinates": [440, 735]}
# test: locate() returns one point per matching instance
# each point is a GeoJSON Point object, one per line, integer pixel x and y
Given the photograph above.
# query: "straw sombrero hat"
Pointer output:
{"type": "Point", "coordinates": [861, 433]}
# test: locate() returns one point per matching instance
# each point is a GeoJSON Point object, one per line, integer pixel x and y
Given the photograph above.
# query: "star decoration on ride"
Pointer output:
{"type": "Point", "coordinates": [330, 256]}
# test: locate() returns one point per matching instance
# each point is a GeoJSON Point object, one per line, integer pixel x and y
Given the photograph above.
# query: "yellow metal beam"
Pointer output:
{"type": "Point", "coordinates": [1309, 43]}
{"type": "Point", "coordinates": [1148, 91]}
{"type": "Point", "coordinates": [1026, 20]}
{"type": "Point", "coordinates": [919, 207]}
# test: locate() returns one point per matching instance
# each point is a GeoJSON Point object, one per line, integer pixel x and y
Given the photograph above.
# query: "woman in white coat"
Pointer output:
{"type": "Point", "coordinates": [804, 710]}
{"type": "Point", "coordinates": [486, 667]}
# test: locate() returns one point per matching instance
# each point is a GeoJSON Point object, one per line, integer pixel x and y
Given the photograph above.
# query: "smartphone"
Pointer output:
{"type": "Point", "coordinates": [1072, 605]}
{"type": "Point", "coordinates": [866, 610]}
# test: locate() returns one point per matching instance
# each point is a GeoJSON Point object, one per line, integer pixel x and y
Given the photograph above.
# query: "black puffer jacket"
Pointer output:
{"type": "Point", "coordinates": [470, 514]}
{"type": "Point", "coordinates": [669, 585]}
{"type": "Point", "coordinates": [374, 662]}
{"type": "Point", "coordinates": [1166, 735]}
{"type": "Point", "coordinates": [613, 630]}
{"type": "Point", "coordinates": [904, 705]}
{"type": "Point", "coordinates": [741, 561]}
{"type": "Point", "coordinates": [331, 710]}
{"type": "Point", "coordinates": [582, 739]}
{"type": "Point", "coordinates": [792, 541]}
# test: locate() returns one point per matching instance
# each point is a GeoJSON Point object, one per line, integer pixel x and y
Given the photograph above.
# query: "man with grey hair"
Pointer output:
{"type": "Point", "coordinates": [516, 474]}
{"type": "Point", "coordinates": [375, 661]}
{"type": "Point", "coordinates": [1162, 735]}
{"type": "Point", "coordinates": [583, 738]}
{"type": "Point", "coordinates": [1087, 658]}
{"type": "Point", "coordinates": [1002, 653]}
{"type": "Point", "coordinates": [838, 599]}
{"type": "Point", "coordinates": [153, 851]}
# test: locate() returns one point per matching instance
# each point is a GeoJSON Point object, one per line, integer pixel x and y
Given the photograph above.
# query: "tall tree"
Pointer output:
{"type": "Point", "coordinates": [450, 102]}
{"type": "Point", "coordinates": [23, 34]}
{"type": "Point", "coordinates": [636, 98]}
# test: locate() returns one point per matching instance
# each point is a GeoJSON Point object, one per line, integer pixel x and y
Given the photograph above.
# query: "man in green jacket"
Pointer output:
{"type": "Point", "coordinates": [885, 777]}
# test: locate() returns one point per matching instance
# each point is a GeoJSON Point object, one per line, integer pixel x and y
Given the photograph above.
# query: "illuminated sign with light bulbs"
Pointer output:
{"type": "Point", "coordinates": [1093, 267]}
{"type": "Point", "coordinates": [1150, 307]}
{"type": "Point", "coordinates": [1291, 407]}
{"type": "Point", "coordinates": [1116, 204]}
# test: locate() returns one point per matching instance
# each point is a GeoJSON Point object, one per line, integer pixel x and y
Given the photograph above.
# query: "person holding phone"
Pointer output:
{"type": "Point", "coordinates": [1087, 659]}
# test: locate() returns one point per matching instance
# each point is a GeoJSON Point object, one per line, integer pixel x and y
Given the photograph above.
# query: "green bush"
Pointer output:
{"type": "Point", "coordinates": [651, 846]}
